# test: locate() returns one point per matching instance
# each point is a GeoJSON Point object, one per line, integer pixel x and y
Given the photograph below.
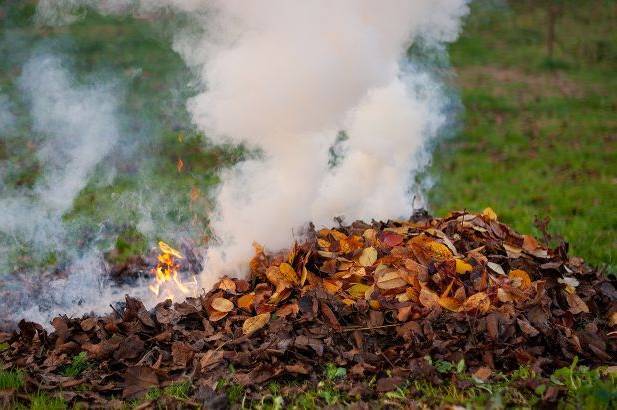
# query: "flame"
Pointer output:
{"type": "Point", "coordinates": [166, 276]}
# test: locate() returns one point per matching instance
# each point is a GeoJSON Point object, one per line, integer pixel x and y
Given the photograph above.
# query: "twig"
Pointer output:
{"type": "Point", "coordinates": [368, 328]}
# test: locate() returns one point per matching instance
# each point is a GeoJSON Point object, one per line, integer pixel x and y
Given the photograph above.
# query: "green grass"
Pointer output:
{"type": "Point", "coordinates": [535, 140]}
{"type": "Point", "coordinates": [11, 379]}
{"type": "Point", "coordinates": [77, 366]}
{"type": "Point", "coordinates": [580, 387]}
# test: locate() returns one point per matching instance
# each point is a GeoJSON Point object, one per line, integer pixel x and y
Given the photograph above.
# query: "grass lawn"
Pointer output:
{"type": "Point", "coordinates": [539, 136]}
{"type": "Point", "coordinates": [538, 139]}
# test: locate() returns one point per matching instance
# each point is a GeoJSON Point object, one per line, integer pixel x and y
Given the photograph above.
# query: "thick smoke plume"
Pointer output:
{"type": "Point", "coordinates": [286, 78]}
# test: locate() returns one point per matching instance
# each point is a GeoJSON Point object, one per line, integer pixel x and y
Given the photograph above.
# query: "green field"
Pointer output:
{"type": "Point", "coordinates": [537, 139]}
{"type": "Point", "coordinates": [539, 136]}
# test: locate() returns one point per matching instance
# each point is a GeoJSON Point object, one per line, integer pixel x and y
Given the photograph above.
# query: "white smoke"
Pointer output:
{"type": "Point", "coordinates": [7, 118]}
{"type": "Point", "coordinates": [78, 129]}
{"type": "Point", "coordinates": [284, 78]}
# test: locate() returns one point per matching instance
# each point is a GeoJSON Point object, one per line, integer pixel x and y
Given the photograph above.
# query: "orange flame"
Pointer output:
{"type": "Point", "coordinates": [166, 272]}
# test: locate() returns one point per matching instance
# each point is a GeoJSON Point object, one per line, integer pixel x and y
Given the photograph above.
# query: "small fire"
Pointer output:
{"type": "Point", "coordinates": [166, 273]}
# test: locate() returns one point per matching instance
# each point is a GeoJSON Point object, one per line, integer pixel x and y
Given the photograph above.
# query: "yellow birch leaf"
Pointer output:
{"type": "Point", "coordinates": [368, 257]}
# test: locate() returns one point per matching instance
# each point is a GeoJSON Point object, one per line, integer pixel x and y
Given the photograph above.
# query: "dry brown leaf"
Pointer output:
{"type": "Point", "coordinates": [222, 305]}
{"type": "Point", "coordinates": [390, 280]}
{"type": "Point", "coordinates": [428, 298]}
{"type": "Point", "coordinates": [228, 285]}
{"type": "Point", "coordinates": [253, 324]}
{"type": "Point", "coordinates": [216, 315]}
{"type": "Point", "coordinates": [577, 305]}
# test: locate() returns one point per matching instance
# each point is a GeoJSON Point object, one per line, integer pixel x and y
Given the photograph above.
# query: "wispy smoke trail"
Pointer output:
{"type": "Point", "coordinates": [7, 118]}
{"type": "Point", "coordinates": [285, 78]}
{"type": "Point", "coordinates": [78, 126]}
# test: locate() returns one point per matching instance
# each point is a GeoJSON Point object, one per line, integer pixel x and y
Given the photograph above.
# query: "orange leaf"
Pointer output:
{"type": "Point", "coordinates": [246, 301]}
{"type": "Point", "coordinates": [478, 301]}
{"type": "Point", "coordinates": [428, 250]}
{"type": "Point", "coordinates": [253, 324]}
{"type": "Point", "coordinates": [520, 278]}
{"type": "Point", "coordinates": [332, 286]}
{"type": "Point", "coordinates": [449, 303]}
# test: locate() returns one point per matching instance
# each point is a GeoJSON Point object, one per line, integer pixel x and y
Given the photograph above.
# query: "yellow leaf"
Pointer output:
{"type": "Point", "coordinates": [222, 305]}
{"type": "Point", "coordinates": [289, 274]}
{"type": "Point", "coordinates": [368, 257]}
{"type": "Point", "coordinates": [358, 290]}
{"type": "Point", "coordinates": [374, 304]}
{"type": "Point", "coordinates": [463, 267]}
{"type": "Point", "coordinates": [449, 303]}
{"type": "Point", "coordinates": [520, 278]}
{"type": "Point", "coordinates": [253, 324]}
{"type": "Point", "coordinates": [489, 213]}
{"type": "Point", "coordinates": [168, 249]}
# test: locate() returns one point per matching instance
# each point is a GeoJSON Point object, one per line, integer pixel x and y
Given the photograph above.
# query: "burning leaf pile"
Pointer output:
{"type": "Point", "coordinates": [376, 299]}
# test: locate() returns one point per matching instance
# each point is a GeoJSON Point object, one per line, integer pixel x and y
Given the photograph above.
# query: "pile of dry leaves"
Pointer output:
{"type": "Point", "coordinates": [373, 298]}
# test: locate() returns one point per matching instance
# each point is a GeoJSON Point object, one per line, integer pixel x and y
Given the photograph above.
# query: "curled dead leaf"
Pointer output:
{"type": "Point", "coordinates": [428, 250]}
{"type": "Point", "coordinates": [520, 279]}
{"type": "Point", "coordinates": [253, 324]}
{"type": "Point", "coordinates": [428, 298]}
{"type": "Point", "coordinates": [478, 302]}
{"type": "Point", "coordinates": [246, 301]}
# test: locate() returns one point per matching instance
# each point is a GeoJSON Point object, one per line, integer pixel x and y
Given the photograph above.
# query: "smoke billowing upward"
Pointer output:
{"type": "Point", "coordinates": [291, 81]}
{"type": "Point", "coordinates": [286, 78]}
